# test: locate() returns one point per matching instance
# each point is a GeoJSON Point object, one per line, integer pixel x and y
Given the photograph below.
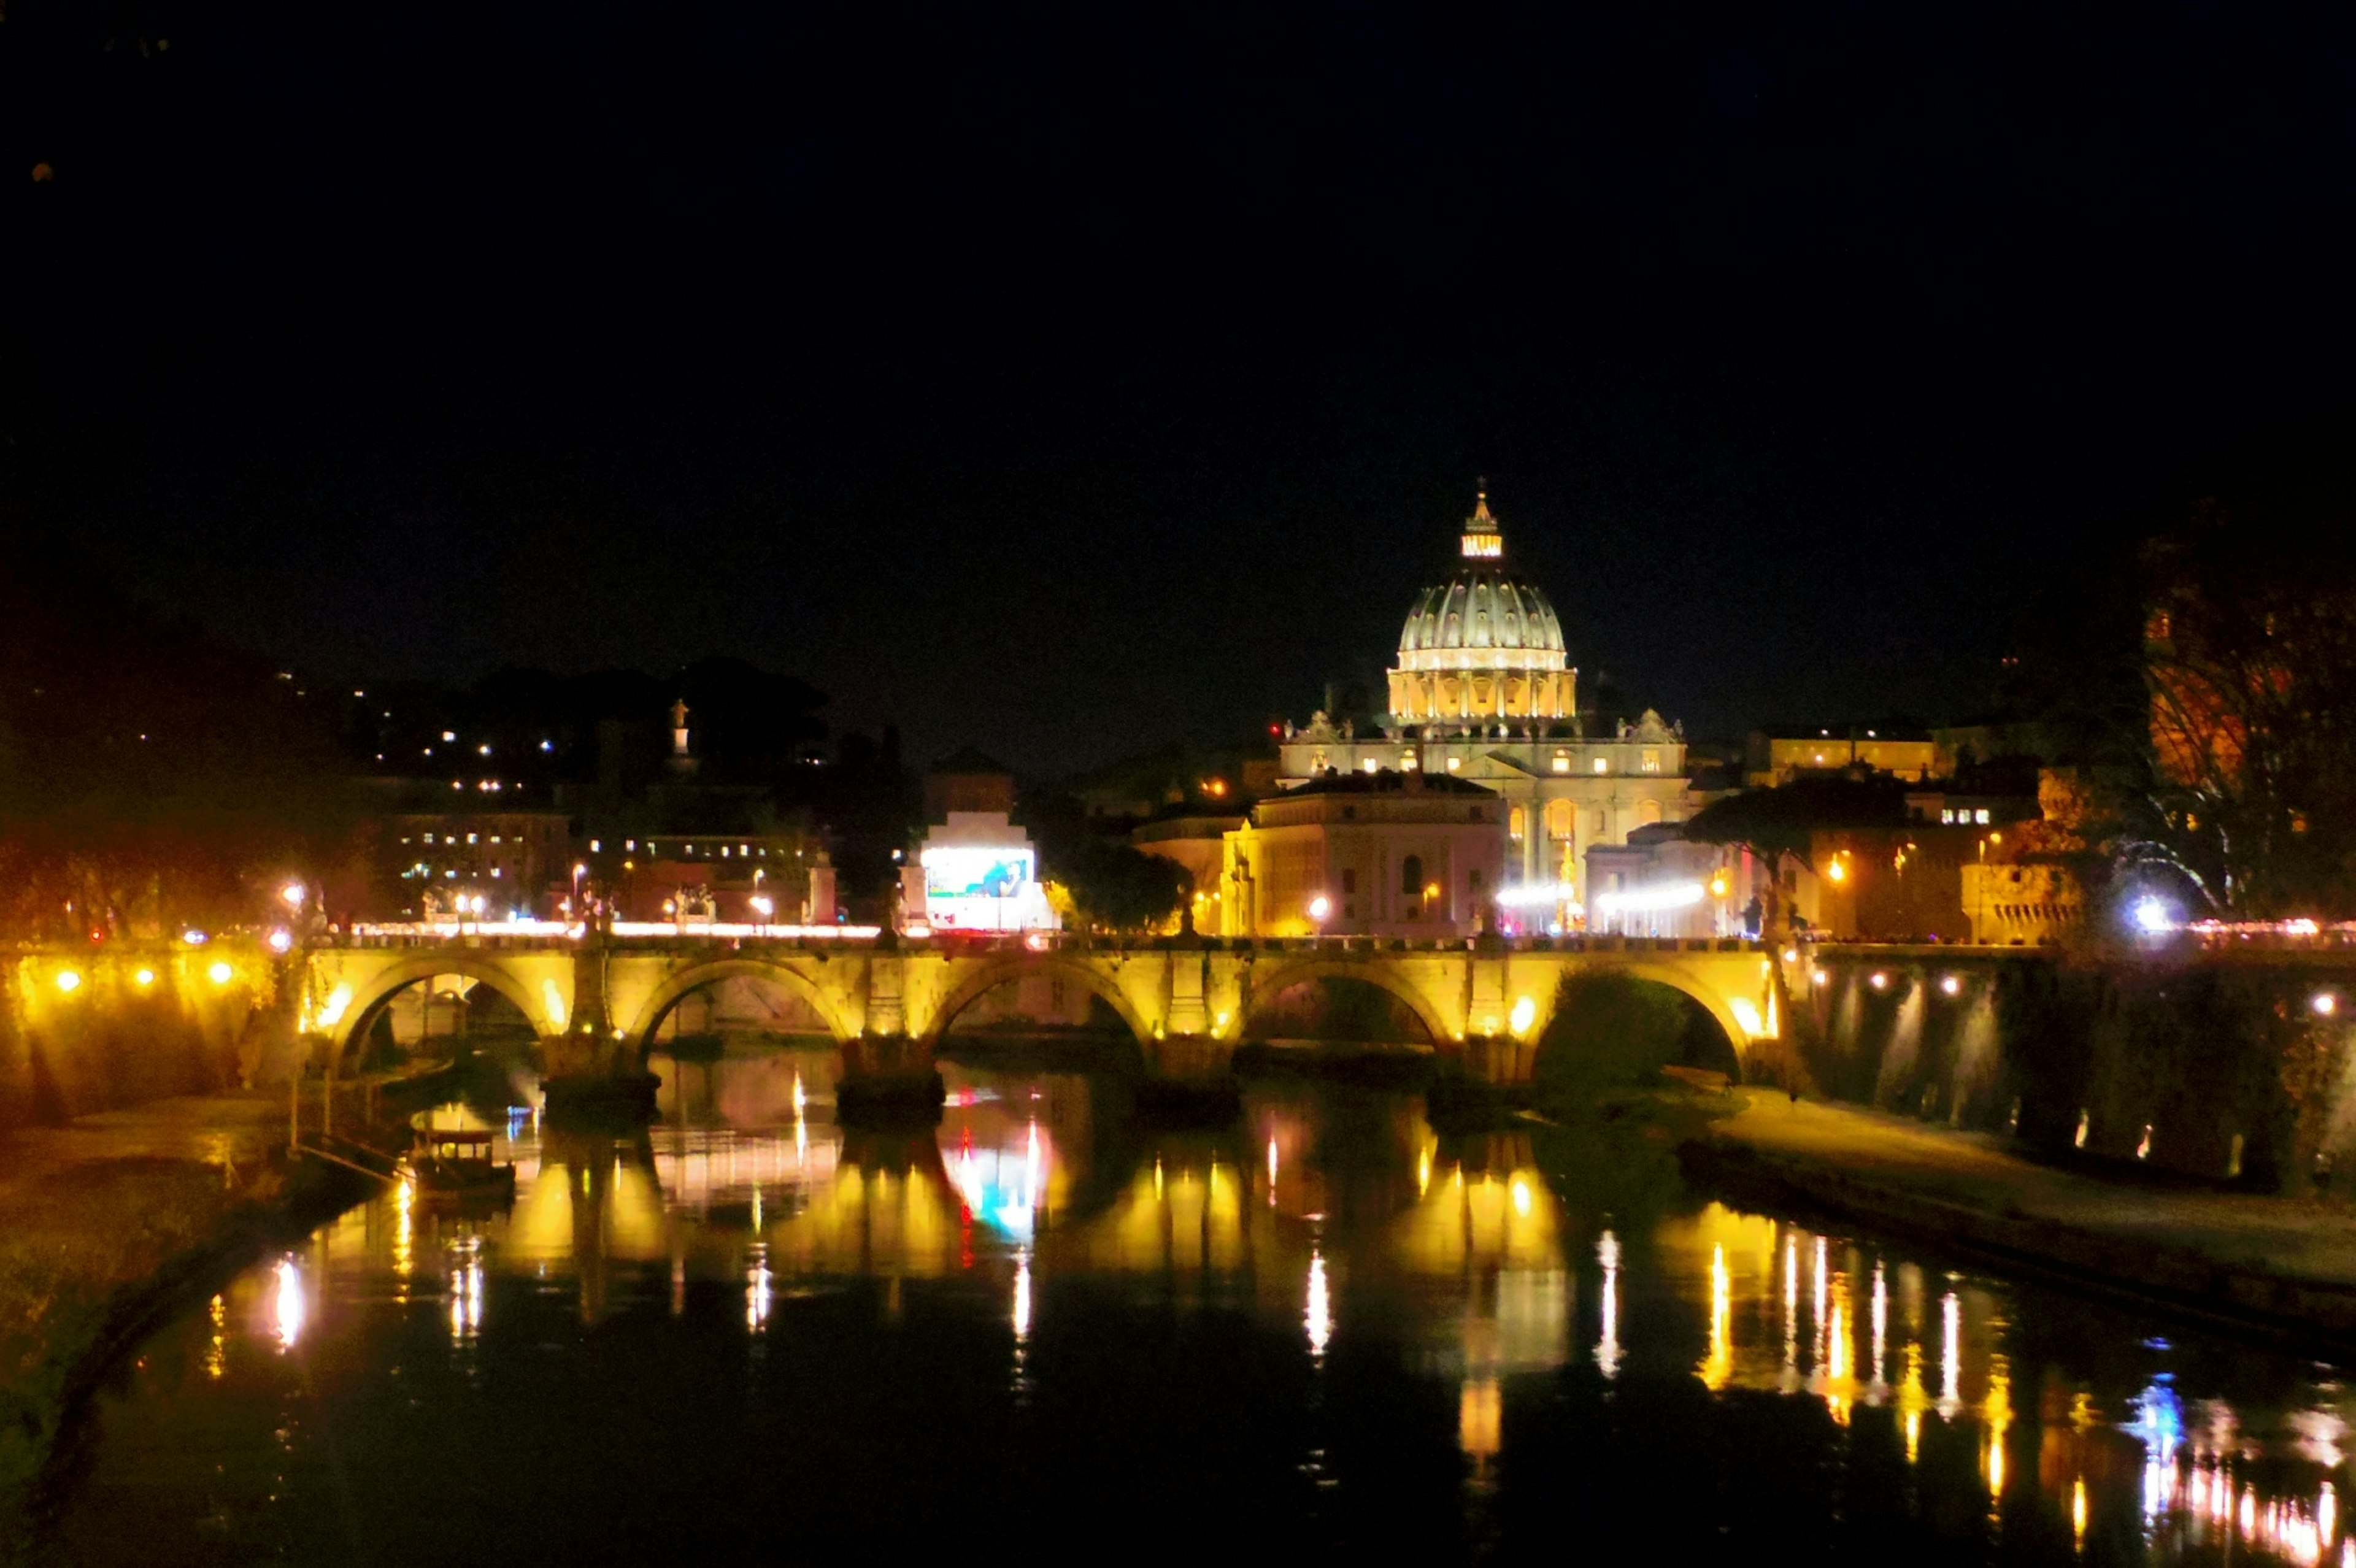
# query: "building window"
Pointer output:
{"type": "Point", "coordinates": [1603, 765]}
{"type": "Point", "coordinates": [1349, 814]}
{"type": "Point", "coordinates": [1981, 815]}
{"type": "Point", "coordinates": [1652, 761]}
{"type": "Point", "coordinates": [1562, 761]}
{"type": "Point", "coordinates": [1472, 880]}
{"type": "Point", "coordinates": [1517, 823]}
{"type": "Point", "coordinates": [1559, 819]}
{"type": "Point", "coordinates": [1411, 876]}
{"type": "Point", "coordinates": [1349, 879]}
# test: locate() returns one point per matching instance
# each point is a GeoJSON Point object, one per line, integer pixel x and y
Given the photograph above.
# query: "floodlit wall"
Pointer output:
{"type": "Point", "coordinates": [85, 1029]}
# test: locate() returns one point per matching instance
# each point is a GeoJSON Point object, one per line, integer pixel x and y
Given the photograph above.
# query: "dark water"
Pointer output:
{"type": "Point", "coordinates": [750, 1338]}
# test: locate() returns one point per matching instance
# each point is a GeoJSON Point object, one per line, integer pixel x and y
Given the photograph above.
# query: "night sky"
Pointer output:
{"type": "Point", "coordinates": [1064, 382]}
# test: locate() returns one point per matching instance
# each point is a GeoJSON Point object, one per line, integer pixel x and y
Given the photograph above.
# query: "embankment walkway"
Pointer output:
{"type": "Point", "coordinates": [2283, 1265]}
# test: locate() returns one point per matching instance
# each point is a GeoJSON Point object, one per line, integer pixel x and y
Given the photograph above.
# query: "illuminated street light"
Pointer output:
{"type": "Point", "coordinates": [1879, 981]}
{"type": "Point", "coordinates": [220, 973]}
{"type": "Point", "coordinates": [144, 977]}
{"type": "Point", "coordinates": [2324, 1003]}
{"type": "Point", "coordinates": [281, 940]}
{"type": "Point", "coordinates": [2152, 915]}
{"type": "Point", "coordinates": [1319, 908]}
{"type": "Point", "coordinates": [293, 893]}
{"type": "Point", "coordinates": [1952, 984]}
{"type": "Point", "coordinates": [68, 981]}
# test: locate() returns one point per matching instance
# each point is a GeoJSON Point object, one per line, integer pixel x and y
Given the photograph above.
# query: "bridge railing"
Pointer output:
{"type": "Point", "coordinates": [492, 939]}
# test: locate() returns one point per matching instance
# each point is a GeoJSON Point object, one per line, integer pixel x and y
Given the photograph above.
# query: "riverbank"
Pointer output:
{"type": "Point", "coordinates": [108, 1225]}
{"type": "Point", "coordinates": [2281, 1268]}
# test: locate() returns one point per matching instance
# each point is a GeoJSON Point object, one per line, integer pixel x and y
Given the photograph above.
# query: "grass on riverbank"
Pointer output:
{"type": "Point", "coordinates": [71, 1246]}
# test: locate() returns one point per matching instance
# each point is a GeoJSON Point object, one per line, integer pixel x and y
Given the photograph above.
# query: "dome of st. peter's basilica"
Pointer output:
{"type": "Point", "coordinates": [1482, 646]}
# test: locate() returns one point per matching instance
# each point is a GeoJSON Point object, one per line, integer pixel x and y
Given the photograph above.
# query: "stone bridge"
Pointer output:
{"type": "Point", "coordinates": [596, 1002]}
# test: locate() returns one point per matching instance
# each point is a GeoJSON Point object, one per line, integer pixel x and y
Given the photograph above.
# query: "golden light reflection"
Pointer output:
{"type": "Point", "coordinates": [1022, 1296]}
{"type": "Point", "coordinates": [1996, 1412]}
{"type": "Point", "coordinates": [1719, 1365]}
{"type": "Point", "coordinates": [217, 1349]}
{"type": "Point", "coordinates": [759, 1287]}
{"type": "Point", "coordinates": [2078, 1513]}
{"type": "Point", "coordinates": [405, 1231]}
{"type": "Point", "coordinates": [1480, 1418]}
{"type": "Point", "coordinates": [288, 1307]}
{"type": "Point", "coordinates": [1912, 1401]}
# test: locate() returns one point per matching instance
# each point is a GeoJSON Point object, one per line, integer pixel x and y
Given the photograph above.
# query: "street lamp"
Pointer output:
{"type": "Point", "coordinates": [1319, 908]}
{"type": "Point", "coordinates": [762, 907]}
{"type": "Point", "coordinates": [293, 893]}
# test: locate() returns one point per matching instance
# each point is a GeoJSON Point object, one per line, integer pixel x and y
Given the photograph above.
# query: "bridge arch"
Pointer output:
{"type": "Point", "coordinates": [1713, 999]}
{"type": "Point", "coordinates": [1380, 976]}
{"type": "Point", "coordinates": [992, 975]}
{"type": "Point", "coordinates": [784, 976]}
{"type": "Point", "coordinates": [371, 998]}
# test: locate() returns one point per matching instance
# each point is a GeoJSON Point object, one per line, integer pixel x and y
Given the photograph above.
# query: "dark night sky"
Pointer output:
{"type": "Point", "coordinates": [1065, 382]}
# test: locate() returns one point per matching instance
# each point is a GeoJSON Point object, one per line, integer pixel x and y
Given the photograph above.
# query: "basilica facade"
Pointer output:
{"type": "Point", "coordinates": [1485, 691]}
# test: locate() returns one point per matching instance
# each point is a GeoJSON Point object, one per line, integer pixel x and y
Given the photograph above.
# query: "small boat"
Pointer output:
{"type": "Point", "coordinates": [456, 1166]}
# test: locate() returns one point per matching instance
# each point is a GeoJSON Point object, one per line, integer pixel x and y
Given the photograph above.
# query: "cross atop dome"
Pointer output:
{"type": "Point", "coordinates": [1483, 541]}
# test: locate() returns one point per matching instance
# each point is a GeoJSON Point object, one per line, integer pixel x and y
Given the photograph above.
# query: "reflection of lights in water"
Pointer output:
{"type": "Point", "coordinates": [1522, 1197]}
{"type": "Point", "coordinates": [1720, 1364]}
{"type": "Point", "coordinates": [1998, 1412]}
{"type": "Point", "coordinates": [1816, 1312]}
{"type": "Point", "coordinates": [1423, 1173]}
{"type": "Point", "coordinates": [759, 1286]}
{"type": "Point", "coordinates": [1836, 1363]}
{"type": "Point", "coordinates": [801, 1100]}
{"type": "Point", "coordinates": [1157, 1179]}
{"type": "Point", "coordinates": [1912, 1399]}
{"type": "Point", "coordinates": [1951, 1357]}
{"type": "Point", "coordinates": [2078, 1511]}
{"type": "Point", "coordinates": [1881, 1324]}
{"type": "Point", "coordinates": [1021, 1295]}
{"type": "Point", "coordinates": [1007, 1194]}
{"type": "Point", "coordinates": [1607, 1348]}
{"type": "Point", "coordinates": [801, 1142]}
{"type": "Point", "coordinates": [2159, 1423]}
{"type": "Point", "coordinates": [404, 1231]}
{"type": "Point", "coordinates": [1481, 1417]}
{"type": "Point", "coordinates": [467, 1300]}
{"type": "Point", "coordinates": [1320, 1317]}
{"type": "Point", "coordinates": [287, 1308]}
{"type": "Point", "coordinates": [1790, 1301]}
{"type": "Point", "coordinates": [756, 1206]}
{"type": "Point", "coordinates": [217, 1352]}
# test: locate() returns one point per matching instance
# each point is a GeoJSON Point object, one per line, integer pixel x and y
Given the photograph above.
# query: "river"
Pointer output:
{"type": "Point", "coordinates": [750, 1336]}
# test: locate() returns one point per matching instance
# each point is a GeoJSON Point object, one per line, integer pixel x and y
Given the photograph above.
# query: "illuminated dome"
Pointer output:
{"type": "Point", "coordinates": [1481, 646]}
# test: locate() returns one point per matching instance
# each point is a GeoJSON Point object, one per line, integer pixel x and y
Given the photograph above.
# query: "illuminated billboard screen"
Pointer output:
{"type": "Point", "coordinates": [958, 872]}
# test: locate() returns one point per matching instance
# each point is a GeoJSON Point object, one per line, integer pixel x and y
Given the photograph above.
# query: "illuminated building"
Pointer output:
{"type": "Point", "coordinates": [1485, 691]}
{"type": "Point", "coordinates": [1383, 854]}
{"type": "Point", "coordinates": [977, 871]}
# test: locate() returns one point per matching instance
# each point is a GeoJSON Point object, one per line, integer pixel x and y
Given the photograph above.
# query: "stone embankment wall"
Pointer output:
{"type": "Point", "coordinates": [90, 1028]}
{"type": "Point", "coordinates": [2224, 1067]}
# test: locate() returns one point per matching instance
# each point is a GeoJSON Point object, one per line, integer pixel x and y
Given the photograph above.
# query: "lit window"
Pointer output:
{"type": "Point", "coordinates": [449, 734]}
{"type": "Point", "coordinates": [1454, 763]}
{"type": "Point", "coordinates": [1562, 761]}
{"type": "Point", "coordinates": [594, 846]}
{"type": "Point", "coordinates": [470, 838]}
{"type": "Point", "coordinates": [1981, 817]}
{"type": "Point", "coordinates": [1948, 814]}
{"type": "Point", "coordinates": [1601, 765]}
{"type": "Point", "coordinates": [1372, 764]}
{"type": "Point", "coordinates": [1651, 761]}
